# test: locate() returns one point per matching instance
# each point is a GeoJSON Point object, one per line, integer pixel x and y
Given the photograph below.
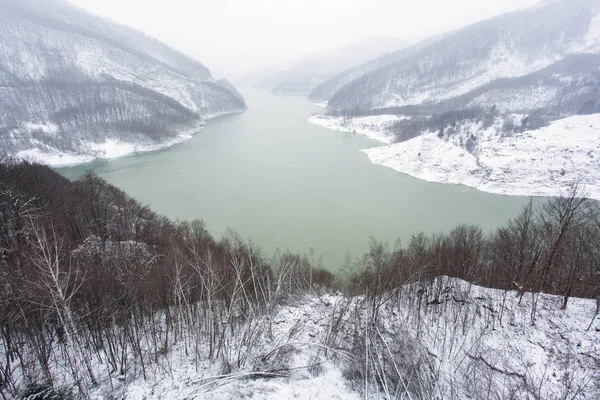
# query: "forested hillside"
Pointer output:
{"type": "Point", "coordinates": [72, 83]}
{"type": "Point", "coordinates": [523, 60]}
{"type": "Point", "coordinates": [507, 105]}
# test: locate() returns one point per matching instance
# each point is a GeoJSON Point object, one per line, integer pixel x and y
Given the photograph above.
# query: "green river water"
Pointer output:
{"type": "Point", "coordinates": [284, 183]}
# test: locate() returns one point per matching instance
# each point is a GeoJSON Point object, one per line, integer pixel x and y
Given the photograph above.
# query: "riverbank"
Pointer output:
{"type": "Point", "coordinates": [543, 162]}
{"type": "Point", "coordinates": [110, 149]}
{"type": "Point", "coordinates": [373, 127]}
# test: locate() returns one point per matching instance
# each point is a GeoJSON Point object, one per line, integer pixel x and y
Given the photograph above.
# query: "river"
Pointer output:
{"type": "Point", "coordinates": [286, 184]}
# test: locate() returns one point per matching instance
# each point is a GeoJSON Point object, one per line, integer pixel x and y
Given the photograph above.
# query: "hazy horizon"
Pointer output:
{"type": "Point", "coordinates": [238, 36]}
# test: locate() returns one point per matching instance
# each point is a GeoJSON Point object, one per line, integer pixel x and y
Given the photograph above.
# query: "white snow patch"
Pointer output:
{"type": "Point", "coordinates": [374, 127]}
{"type": "Point", "coordinates": [456, 323]}
{"type": "Point", "coordinates": [185, 382]}
{"type": "Point", "coordinates": [543, 162]}
{"type": "Point", "coordinates": [503, 62]}
{"type": "Point", "coordinates": [46, 127]}
{"type": "Point", "coordinates": [496, 326]}
{"type": "Point", "coordinates": [302, 325]}
{"type": "Point", "coordinates": [169, 84]}
{"type": "Point", "coordinates": [109, 149]}
{"type": "Point", "coordinates": [115, 148]}
{"type": "Point", "coordinates": [53, 157]}
{"type": "Point", "coordinates": [528, 98]}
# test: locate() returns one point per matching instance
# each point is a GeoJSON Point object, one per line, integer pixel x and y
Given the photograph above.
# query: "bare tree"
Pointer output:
{"type": "Point", "coordinates": [60, 285]}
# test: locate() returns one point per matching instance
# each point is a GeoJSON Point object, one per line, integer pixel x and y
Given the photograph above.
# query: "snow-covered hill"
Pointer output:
{"type": "Point", "coordinates": [325, 90]}
{"type": "Point", "coordinates": [510, 46]}
{"type": "Point", "coordinates": [70, 82]}
{"type": "Point", "coordinates": [541, 162]}
{"type": "Point", "coordinates": [472, 102]}
{"type": "Point", "coordinates": [446, 339]}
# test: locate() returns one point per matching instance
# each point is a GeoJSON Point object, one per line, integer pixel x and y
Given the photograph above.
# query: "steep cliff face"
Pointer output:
{"type": "Point", "coordinates": [70, 80]}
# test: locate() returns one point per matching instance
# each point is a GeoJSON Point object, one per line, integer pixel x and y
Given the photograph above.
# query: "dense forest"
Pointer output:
{"type": "Point", "coordinates": [95, 284]}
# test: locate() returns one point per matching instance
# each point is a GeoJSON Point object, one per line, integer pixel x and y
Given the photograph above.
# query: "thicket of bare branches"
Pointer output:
{"type": "Point", "coordinates": [438, 338]}
{"type": "Point", "coordinates": [553, 248]}
{"type": "Point", "coordinates": [95, 285]}
{"type": "Point", "coordinates": [90, 279]}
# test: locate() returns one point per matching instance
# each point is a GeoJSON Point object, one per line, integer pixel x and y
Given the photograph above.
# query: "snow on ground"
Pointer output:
{"type": "Point", "coordinates": [186, 383]}
{"type": "Point", "coordinates": [543, 162]}
{"type": "Point", "coordinates": [322, 104]}
{"type": "Point", "coordinates": [298, 326]}
{"type": "Point", "coordinates": [503, 62]}
{"type": "Point", "coordinates": [526, 98]}
{"type": "Point", "coordinates": [27, 128]}
{"type": "Point", "coordinates": [477, 341]}
{"type": "Point", "coordinates": [170, 84]}
{"type": "Point", "coordinates": [46, 127]}
{"type": "Point", "coordinates": [53, 157]}
{"type": "Point", "coordinates": [485, 339]}
{"type": "Point", "coordinates": [111, 148]}
{"type": "Point", "coordinates": [115, 148]}
{"type": "Point", "coordinates": [374, 127]}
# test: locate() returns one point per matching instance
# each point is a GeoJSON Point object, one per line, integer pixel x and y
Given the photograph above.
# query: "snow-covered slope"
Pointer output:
{"type": "Point", "coordinates": [446, 339]}
{"type": "Point", "coordinates": [509, 46]}
{"type": "Point", "coordinates": [376, 127]}
{"type": "Point", "coordinates": [475, 97]}
{"type": "Point", "coordinates": [325, 90]}
{"type": "Point", "coordinates": [95, 82]}
{"type": "Point", "coordinates": [569, 86]}
{"type": "Point", "coordinates": [542, 162]}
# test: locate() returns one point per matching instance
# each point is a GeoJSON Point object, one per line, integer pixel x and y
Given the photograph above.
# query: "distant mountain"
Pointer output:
{"type": "Point", "coordinates": [302, 75]}
{"type": "Point", "coordinates": [71, 82]}
{"type": "Point", "coordinates": [545, 56]}
{"type": "Point", "coordinates": [325, 90]}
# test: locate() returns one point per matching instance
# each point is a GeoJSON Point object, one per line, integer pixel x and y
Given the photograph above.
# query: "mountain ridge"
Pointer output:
{"type": "Point", "coordinates": [95, 81]}
{"type": "Point", "coordinates": [506, 46]}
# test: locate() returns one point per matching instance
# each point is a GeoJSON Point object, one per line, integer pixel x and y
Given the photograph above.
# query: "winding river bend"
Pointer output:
{"type": "Point", "coordinates": [284, 183]}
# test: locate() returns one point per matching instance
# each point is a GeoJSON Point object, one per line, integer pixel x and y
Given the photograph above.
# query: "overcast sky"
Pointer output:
{"type": "Point", "coordinates": [235, 36]}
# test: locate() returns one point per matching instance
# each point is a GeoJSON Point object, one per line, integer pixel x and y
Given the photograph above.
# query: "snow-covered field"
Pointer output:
{"type": "Point", "coordinates": [542, 162]}
{"type": "Point", "coordinates": [472, 342]}
{"type": "Point", "coordinates": [374, 127]}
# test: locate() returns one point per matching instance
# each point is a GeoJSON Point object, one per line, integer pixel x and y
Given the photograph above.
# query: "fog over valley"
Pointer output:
{"type": "Point", "coordinates": [235, 37]}
{"type": "Point", "coordinates": [266, 199]}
